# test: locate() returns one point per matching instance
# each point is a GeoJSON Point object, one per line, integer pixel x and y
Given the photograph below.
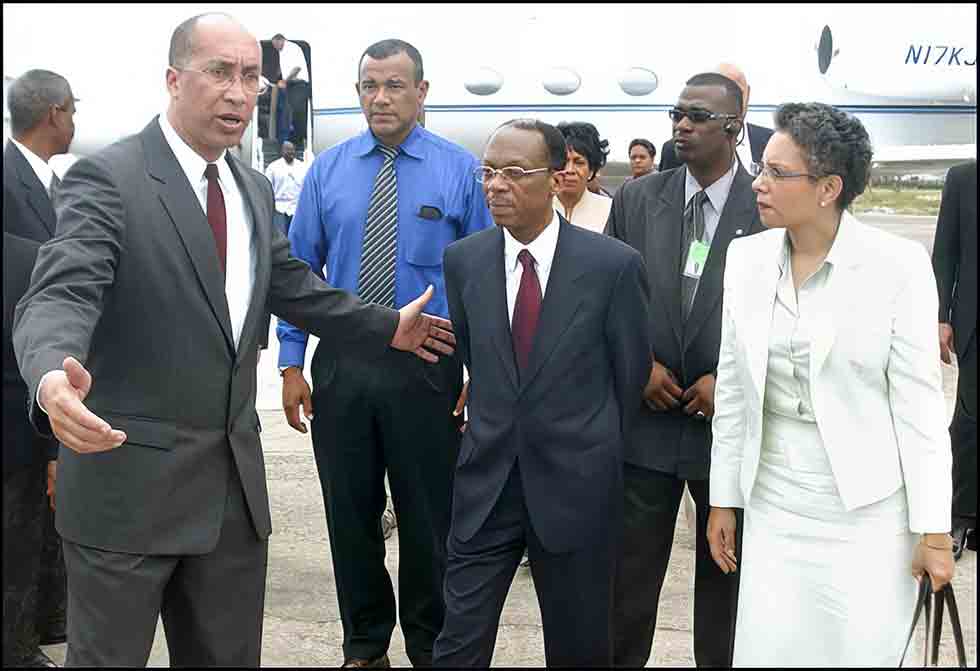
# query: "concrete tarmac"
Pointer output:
{"type": "Point", "coordinates": [302, 620]}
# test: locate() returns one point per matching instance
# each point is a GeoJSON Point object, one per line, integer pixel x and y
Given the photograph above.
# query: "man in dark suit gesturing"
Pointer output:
{"type": "Point", "coordinates": [553, 332]}
{"type": "Point", "coordinates": [954, 260]}
{"type": "Point", "coordinates": [749, 146]}
{"type": "Point", "coordinates": [165, 259]}
{"type": "Point", "coordinates": [682, 222]}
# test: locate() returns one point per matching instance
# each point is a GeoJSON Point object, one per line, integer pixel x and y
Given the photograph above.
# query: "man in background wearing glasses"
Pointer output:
{"type": "Point", "coordinates": [553, 331]}
{"type": "Point", "coordinates": [138, 340]}
{"type": "Point", "coordinates": [681, 221]}
{"type": "Point", "coordinates": [375, 214]}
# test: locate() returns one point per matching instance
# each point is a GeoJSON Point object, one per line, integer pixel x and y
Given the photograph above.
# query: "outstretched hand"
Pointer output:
{"type": "Point", "coordinates": [78, 428]}
{"type": "Point", "coordinates": [424, 334]}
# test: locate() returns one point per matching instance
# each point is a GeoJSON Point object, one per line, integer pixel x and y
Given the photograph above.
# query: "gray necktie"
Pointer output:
{"type": "Point", "coordinates": [376, 280]}
{"type": "Point", "coordinates": [693, 229]}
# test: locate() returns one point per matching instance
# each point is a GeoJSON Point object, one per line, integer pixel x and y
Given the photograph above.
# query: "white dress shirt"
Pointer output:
{"type": "Point", "coordinates": [41, 168]}
{"type": "Point", "coordinates": [291, 57]}
{"type": "Point", "coordinates": [287, 180]}
{"type": "Point", "coordinates": [240, 254]}
{"type": "Point", "coordinates": [542, 248]}
{"type": "Point", "coordinates": [717, 197]}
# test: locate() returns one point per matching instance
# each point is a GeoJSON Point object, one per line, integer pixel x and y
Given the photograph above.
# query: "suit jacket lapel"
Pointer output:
{"type": "Point", "coordinates": [491, 290]}
{"type": "Point", "coordinates": [736, 220]}
{"type": "Point", "coordinates": [262, 240]}
{"type": "Point", "coordinates": [758, 313]}
{"type": "Point", "coordinates": [664, 245]}
{"type": "Point", "coordinates": [836, 301]}
{"type": "Point", "coordinates": [181, 205]}
{"type": "Point", "coordinates": [561, 300]}
{"type": "Point", "coordinates": [34, 192]}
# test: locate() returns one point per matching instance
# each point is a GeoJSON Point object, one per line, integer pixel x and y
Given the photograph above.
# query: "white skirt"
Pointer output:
{"type": "Point", "coordinates": [820, 586]}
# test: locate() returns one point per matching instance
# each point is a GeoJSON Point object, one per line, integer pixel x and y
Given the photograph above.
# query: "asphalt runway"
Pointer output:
{"type": "Point", "coordinates": [302, 621]}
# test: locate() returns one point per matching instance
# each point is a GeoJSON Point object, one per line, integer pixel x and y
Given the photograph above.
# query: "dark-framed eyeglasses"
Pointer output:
{"type": "Point", "coordinates": [696, 115]}
{"type": "Point", "coordinates": [512, 173]}
{"type": "Point", "coordinates": [223, 78]}
{"type": "Point", "coordinates": [762, 170]}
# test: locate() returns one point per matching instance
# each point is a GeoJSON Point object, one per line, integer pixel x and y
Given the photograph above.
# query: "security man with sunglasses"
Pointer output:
{"type": "Point", "coordinates": [681, 221]}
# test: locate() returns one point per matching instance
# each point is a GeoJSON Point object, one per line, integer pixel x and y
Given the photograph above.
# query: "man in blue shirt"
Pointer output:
{"type": "Point", "coordinates": [376, 212]}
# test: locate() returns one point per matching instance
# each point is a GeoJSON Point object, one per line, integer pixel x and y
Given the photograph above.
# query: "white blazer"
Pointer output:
{"type": "Point", "coordinates": [876, 382]}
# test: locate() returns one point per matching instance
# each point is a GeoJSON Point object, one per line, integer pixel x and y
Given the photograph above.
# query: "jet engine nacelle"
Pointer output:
{"type": "Point", "coordinates": [911, 64]}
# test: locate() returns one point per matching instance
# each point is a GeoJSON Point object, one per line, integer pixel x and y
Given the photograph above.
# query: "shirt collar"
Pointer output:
{"type": "Point", "coordinates": [542, 248]}
{"type": "Point", "coordinates": [717, 192]}
{"type": "Point", "coordinates": [41, 168]}
{"type": "Point", "coordinates": [365, 143]}
{"type": "Point", "coordinates": [192, 163]}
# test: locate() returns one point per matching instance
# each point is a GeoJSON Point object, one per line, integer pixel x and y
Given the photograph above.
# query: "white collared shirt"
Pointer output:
{"type": "Point", "coordinates": [291, 57]}
{"type": "Point", "coordinates": [287, 181]}
{"type": "Point", "coordinates": [41, 168]}
{"type": "Point", "coordinates": [542, 248]}
{"type": "Point", "coordinates": [240, 251]}
{"type": "Point", "coordinates": [717, 197]}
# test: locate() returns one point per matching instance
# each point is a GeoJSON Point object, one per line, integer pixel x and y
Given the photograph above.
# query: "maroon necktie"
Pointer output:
{"type": "Point", "coordinates": [216, 213]}
{"type": "Point", "coordinates": [526, 310]}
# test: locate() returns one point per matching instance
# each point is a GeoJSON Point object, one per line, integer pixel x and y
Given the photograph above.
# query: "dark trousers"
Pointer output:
{"type": "Point", "coordinates": [394, 414]}
{"type": "Point", "coordinates": [212, 605]}
{"type": "Point", "coordinates": [963, 435]}
{"type": "Point", "coordinates": [298, 93]}
{"type": "Point", "coordinates": [34, 590]}
{"type": "Point", "coordinates": [574, 590]}
{"type": "Point", "coordinates": [652, 500]}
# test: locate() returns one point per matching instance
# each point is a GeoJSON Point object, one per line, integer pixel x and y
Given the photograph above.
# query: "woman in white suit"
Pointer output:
{"type": "Point", "coordinates": [830, 421]}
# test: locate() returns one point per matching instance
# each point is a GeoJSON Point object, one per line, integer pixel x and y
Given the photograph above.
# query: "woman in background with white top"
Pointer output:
{"type": "Point", "coordinates": [830, 420]}
{"type": "Point", "coordinates": [586, 155]}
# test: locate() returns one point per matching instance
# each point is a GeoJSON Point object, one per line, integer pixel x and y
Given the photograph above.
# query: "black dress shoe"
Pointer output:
{"type": "Point", "coordinates": [54, 635]}
{"type": "Point", "coordinates": [35, 660]}
{"type": "Point", "coordinates": [381, 662]}
{"type": "Point", "coordinates": [960, 542]}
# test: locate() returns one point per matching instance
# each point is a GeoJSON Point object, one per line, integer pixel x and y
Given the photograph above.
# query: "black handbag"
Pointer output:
{"type": "Point", "coordinates": [933, 604]}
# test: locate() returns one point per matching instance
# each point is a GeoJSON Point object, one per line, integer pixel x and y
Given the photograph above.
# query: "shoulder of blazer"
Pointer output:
{"type": "Point", "coordinates": [755, 249]}
{"type": "Point", "coordinates": [476, 245]}
{"type": "Point", "coordinates": [650, 184]}
{"type": "Point", "coordinates": [961, 174]}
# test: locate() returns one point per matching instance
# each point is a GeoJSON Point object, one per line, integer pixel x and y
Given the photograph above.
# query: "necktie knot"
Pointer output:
{"type": "Point", "coordinates": [211, 172]}
{"type": "Point", "coordinates": [389, 152]}
{"type": "Point", "coordinates": [526, 259]}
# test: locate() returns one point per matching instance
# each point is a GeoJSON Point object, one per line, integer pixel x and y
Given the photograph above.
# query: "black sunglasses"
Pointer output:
{"type": "Point", "coordinates": [696, 115]}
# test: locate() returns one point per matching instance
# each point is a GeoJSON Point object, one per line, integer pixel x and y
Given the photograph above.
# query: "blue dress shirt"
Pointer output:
{"type": "Point", "coordinates": [328, 228]}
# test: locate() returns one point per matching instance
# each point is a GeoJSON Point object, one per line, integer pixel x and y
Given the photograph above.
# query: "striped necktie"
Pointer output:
{"type": "Point", "coordinates": [376, 280]}
{"type": "Point", "coordinates": [693, 229]}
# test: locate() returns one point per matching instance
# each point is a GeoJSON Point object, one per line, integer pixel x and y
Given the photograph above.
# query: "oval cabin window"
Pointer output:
{"type": "Point", "coordinates": [638, 81]}
{"type": "Point", "coordinates": [561, 81]}
{"type": "Point", "coordinates": [484, 82]}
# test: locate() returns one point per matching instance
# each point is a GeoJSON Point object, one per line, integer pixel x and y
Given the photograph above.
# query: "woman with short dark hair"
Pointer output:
{"type": "Point", "coordinates": [586, 155]}
{"type": "Point", "coordinates": [830, 421]}
{"type": "Point", "coordinates": [642, 154]}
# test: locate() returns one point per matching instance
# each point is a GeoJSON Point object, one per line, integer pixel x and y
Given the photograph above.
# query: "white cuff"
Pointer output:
{"type": "Point", "coordinates": [40, 384]}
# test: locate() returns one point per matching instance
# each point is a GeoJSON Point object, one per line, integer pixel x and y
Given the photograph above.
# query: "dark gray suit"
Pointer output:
{"type": "Point", "coordinates": [541, 459]}
{"type": "Point", "coordinates": [667, 449]}
{"type": "Point", "coordinates": [178, 515]}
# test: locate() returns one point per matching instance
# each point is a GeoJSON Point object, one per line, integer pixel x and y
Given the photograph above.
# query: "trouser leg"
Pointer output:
{"type": "Point", "coordinates": [23, 504]}
{"type": "Point", "coordinates": [421, 442]}
{"type": "Point", "coordinates": [651, 501]}
{"type": "Point", "coordinates": [963, 435]}
{"type": "Point", "coordinates": [52, 582]}
{"type": "Point", "coordinates": [299, 96]}
{"type": "Point", "coordinates": [478, 577]}
{"type": "Point", "coordinates": [346, 443]}
{"type": "Point", "coordinates": [715, 593]}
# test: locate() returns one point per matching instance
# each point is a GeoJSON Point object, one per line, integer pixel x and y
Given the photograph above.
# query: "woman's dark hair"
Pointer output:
{"type": "Point", "coordinates": [833, 143]}
{"type": "Point", "coordinates": [583, 138]}
{"type": "Point", "coordinates": [643, 143]}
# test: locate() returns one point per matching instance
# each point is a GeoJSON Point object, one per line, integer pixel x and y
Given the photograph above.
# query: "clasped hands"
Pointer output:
{"type": "Point", "coordinates": [62, 392]}
{"type": "Point", "coordinates": [663, 393]}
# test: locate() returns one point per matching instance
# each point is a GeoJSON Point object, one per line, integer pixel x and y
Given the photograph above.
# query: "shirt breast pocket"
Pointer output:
{"type": "Point", "coordinates": [425, 240]}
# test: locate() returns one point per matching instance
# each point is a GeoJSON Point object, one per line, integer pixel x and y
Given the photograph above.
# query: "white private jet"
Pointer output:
{"type": "Point", "coordinates": [907, 70]}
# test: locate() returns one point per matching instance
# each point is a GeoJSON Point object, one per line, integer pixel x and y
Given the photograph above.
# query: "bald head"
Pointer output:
{"type": "Point", "coordinates": [183, 43]}
{"type": "Point", "coordinates": [736, 75]}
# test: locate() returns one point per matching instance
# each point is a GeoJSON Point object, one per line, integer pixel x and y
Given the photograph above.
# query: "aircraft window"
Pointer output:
{"type": "Point", "coordinates": [639, 81]}
{"type": "Point", "coordinates": [484, 82]}
{"type": "Point", "coordinates": [562, 81]}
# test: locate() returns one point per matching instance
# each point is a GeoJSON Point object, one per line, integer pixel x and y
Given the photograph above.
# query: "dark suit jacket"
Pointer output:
{"type": "Point", "coordinates": [22, 446]}
{"type": "Point", "coordinates": [131, 287]}
{"type": "Point", "coordinates": [27, 210]}
{"type": "Point", "coordinates": [954, 253]}
{"type": "Point", "coordinates": [758, 137]}
{"type": "Point", "coordinates": [647, 213]}
{"type": "Point", "coordinates": [565, 419]}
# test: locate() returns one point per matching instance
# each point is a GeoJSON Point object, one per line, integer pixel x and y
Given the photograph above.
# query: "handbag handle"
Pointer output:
{"type": "Point", "coordinates": [924, 602]}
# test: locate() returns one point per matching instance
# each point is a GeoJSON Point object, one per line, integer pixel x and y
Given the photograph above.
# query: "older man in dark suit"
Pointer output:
{"type": "Point", "coordinates": [682, 221]}
{"type": "Point", "coordinates": [42, 108]}
{"type": "Point", "coordinates": [553, 334]}
{"type": "Point", "coordinates": [954, 260]}
{"type": "Point", "coordinates": [165, 260]}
